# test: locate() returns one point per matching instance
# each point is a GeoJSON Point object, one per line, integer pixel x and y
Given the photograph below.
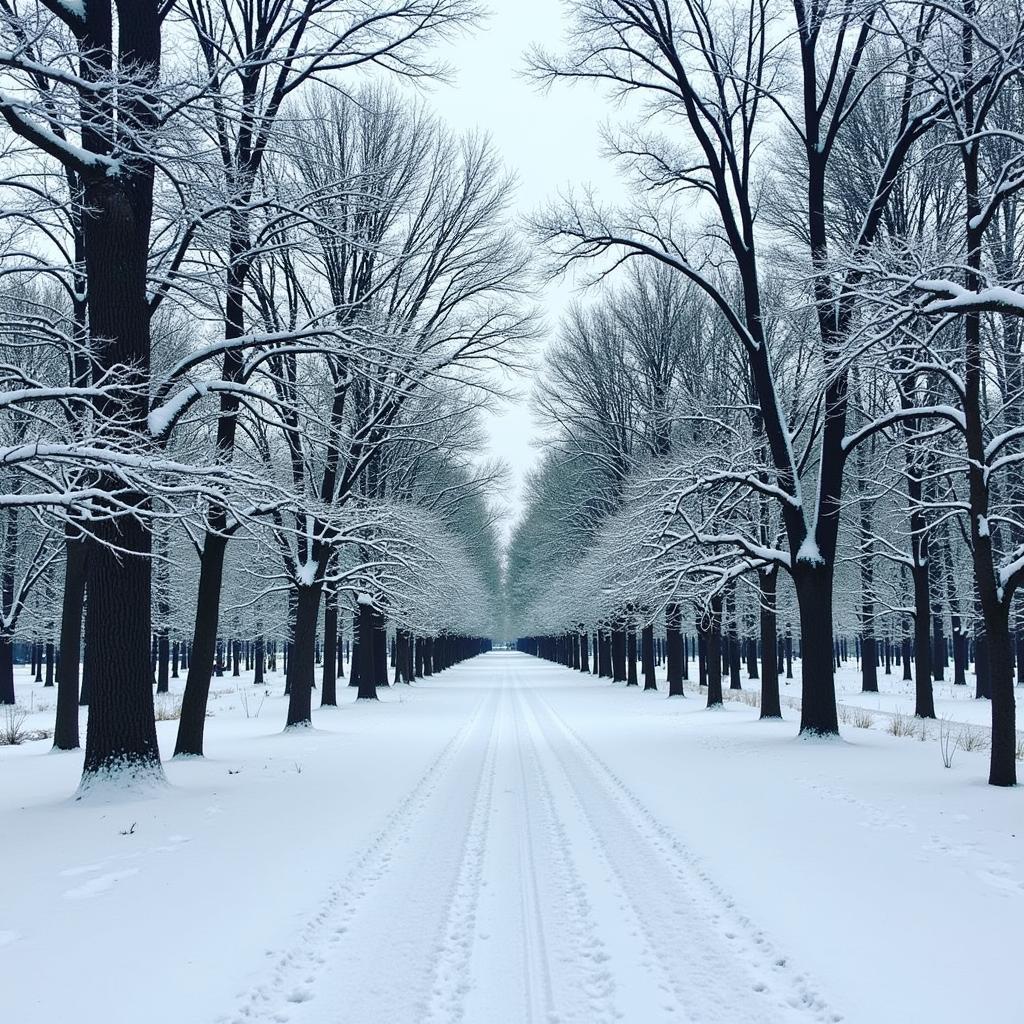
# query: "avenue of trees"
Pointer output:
{"type": "Point", "coordinates": [255, 297]}
{"type": "Point", "coordinates": [788, 416]}
{"type": "Point", "coordinates": [253, 294]}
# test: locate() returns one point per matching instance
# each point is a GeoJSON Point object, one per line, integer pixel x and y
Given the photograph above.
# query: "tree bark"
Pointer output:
{"type": "Point", "coordinates": [712, 630]}
{"type": "Point", "coordinates": [329, 686]}
{"type": "Point", "coordinates": [65, 730]}
{"type": "Point", "coordinates": [675, 653]}
{"type": "Point", "coordinates": [367, 677]}
{"type": "Point", "coordinates": [771, 706]}
{"type": "Point", "coordinates": [302, 663]}
{"type": "Point", "coordinates": [818, 715]}
{"type": "Point", "coordinates": [194, 701]}
{"type": "Point", "coordinates": [647, 657]}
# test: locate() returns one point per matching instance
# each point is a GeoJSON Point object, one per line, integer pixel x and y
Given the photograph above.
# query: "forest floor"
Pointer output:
{"type": "Point", "coordinates": [513, 843]}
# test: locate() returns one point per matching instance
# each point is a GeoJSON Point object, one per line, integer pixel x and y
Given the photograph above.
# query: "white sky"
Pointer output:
{"type": "Point", "coordinates": [549, 139]}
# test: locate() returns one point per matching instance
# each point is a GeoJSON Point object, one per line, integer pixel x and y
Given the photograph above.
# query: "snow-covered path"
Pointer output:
{"type": "Point", "coordinates": [522, 881]}
{"type": "Point", "coordinates": [514, 842]}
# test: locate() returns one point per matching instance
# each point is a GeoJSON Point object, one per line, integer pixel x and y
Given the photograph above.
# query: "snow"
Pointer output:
{"type": "Point", "coordinates": [510, 841]}
{"type": "Point", "coordinates": [162, 417]}
{"type": "Point", "coordinates": [305, 572]}
{"type": "Point", "coordinates": [809, 551]}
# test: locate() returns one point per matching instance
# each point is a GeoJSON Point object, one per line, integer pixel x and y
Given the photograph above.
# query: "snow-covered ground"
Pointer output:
{"type": "Point", "coordinates": [514, 842]}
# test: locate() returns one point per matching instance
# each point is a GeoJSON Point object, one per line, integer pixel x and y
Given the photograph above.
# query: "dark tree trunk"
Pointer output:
{"type": "Point", "coordinates": [868, 664]}
{"type": "Point", "coordinates": [259, 660]}
{"type": "Point", "coordinates": [924, 706]}
{"type": "Point", "coordinates": [356, 664]}
{"type": "Point", "coordinates": [367, 669]}
{"type": "Point", "coordinates": [713, 637]}
{"type": "Point", "coordinates": [999, 648]}
{"type": "Point", "coordinates": [818, 713]}
{"type": "Point", "coordinates": [959, 652]}
{"type": "Point", "coordinates": [771, 706]}
{"type": "Point", "coordinates": [116, 219]}
{"type": "Point", "coordinates": [631, 679]}
{"type": "Point", "coordinates": [618, 655]}
{"type": "Point", "coordinates": [380, 648]}
{"type": "Point", "coordinates": [194, 701]}
{"type": "Point", "coordinates": [301, 665]}
{"type": "Point", "coordinates": [7, 695]}
{"type": "Point", "coordinates": [163, 656]}
{"type": "Point", "coordinates": [65, 730]}
{"type": "Point", "coordinates": [734, 662]}
{"type": "Point", "coordinates": [675, 654]}
{"type": "Point", "coordinates": [329, 685]}
{"type": "Point", "coordinates": [939, 656]}
{"type": "Point", "coordinates": [702, 656]}
{"type": "Point", "coordinates": [584, 652]}
{"type": "Point", "coordinates": [647, 657]}
{"type": "Point", "coordinates": [121, 733]}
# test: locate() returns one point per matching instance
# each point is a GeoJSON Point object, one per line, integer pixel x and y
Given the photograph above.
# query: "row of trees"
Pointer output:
{"type": "Point", "coordinates": [809, 383]}
{"type": "Point", "coordinates": [252, 298]}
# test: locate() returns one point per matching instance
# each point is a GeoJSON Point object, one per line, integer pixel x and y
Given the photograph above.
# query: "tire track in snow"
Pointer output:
{"type": "Point", "coordinates": [298, 970]}
{"type": "Point", "coordinates": [583, 989]}
{"type": "Point", "coordinates": [451, 978]}
{"type": "Point", "coordinates": [730, 973]}
{"type": "Point", "coordinates": [525, 953]}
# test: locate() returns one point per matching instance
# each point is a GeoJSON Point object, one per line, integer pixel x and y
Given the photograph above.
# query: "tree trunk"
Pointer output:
{"type": "Point", "coordinates": [734, 662]}
{"type": "Point", "coordinates": [818, 715]}
{"type": "Point", "coordinates": [631, 679]}
{"type": "Point", "coordinates": [647, 657]}
{"type": "Point", "coordinates": [618, 655]}
{"type": "Point", "coordinates": [163, 654]}
{"type": "Point", "coordinates": [770, 702]}
{"type": "Point", "coordinates": [712, 629]}
{"type": "Point", "coordinates": [924, 706]}
{"type": "Point", "coordinates": [260, 661]}
{"type": "Point", "coordinates": [675, 654]}
{"type": "Point", "coordinates": [7, 695]}
{"type": "Point", "coordinates": [194, 701]}
{"type": "Point", "coordinates": [65, 730]}
{"type": "Point", "coordinates": [367, 669]}
{"type": "Point", "coordinates": [329, 685]}
{"type": "Point", "coordinates": [121, 732]}
{"type": "Point", "coordinates": [301, 664]}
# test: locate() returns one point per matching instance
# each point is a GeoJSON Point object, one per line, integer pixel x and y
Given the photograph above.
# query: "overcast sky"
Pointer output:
{"type": "Point", "coordinates": [549, 139]}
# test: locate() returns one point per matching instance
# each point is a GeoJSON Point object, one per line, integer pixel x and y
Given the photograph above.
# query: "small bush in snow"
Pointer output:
{"type": "Point", "coordinates": [250, 707]}
{"type": "Point", "coordinates": [902, 725]}
{"type": "Point", "coordinates": [972, 739]}
{"type": "Point", "coordinates": [861, 718]}
{"type": "Point", "coordinates": [12, 726]}
{"type": "Point", "coordinates": [948, 744]}
{"type": "Point", "coordinates": [166, 708]}
{"type": "Point", "coordinates": [748, 697]}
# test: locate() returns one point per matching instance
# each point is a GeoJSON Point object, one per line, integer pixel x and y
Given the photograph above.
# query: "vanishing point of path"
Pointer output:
{"type": "Point", "coordinates": [520, 881]}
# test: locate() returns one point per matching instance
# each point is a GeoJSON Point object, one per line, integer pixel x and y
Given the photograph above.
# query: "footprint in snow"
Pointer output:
{"type": "Point", "coordinates": [85, 869]}
{"type": "Point", "coordinates": [100, 885]}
